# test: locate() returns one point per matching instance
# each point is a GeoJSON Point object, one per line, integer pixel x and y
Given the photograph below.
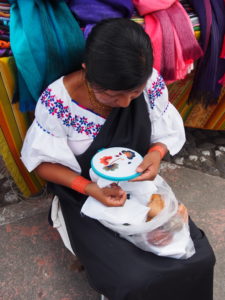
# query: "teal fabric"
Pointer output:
{"type": "Point", "coordinates": [46, 42]}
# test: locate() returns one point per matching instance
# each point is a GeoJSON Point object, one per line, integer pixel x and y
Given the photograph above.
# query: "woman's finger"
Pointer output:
{"type": "Point", "coordinates": [143, 166]}
{"type": "Point", "coordinates": [115, 202]}
{"type": "Point", "coordinates": [147, 175]}
{"type": "Point", "coordinates": [115, 191]}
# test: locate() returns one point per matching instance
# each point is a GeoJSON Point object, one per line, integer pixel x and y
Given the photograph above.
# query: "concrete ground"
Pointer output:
{"type": "Point", "coordinates": [35, 265]}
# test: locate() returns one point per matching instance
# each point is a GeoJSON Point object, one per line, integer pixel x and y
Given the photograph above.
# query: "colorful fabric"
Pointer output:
{"type": "Point", "coordinates": [145, 7]}
{"type": "Point", "coordinates": [196, 115]}
{"type": "Point", "coordinates": [174, 45]}
{"type": "Point", "coordinates": [13, 127]}
{"type": "Point", "coordinates": [210, 68]}
{"type": "Point", "coordinates": [43, 46]}
{"type": "Point", "coordinates": [4, 29]}
{"type": "Point", "coordinates": [222, 55]}
{"type": "Point", "coordinates": [93, 11]}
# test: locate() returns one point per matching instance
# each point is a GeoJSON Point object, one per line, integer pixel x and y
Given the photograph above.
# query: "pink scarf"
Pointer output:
{"type": "Point", "coordinates": [174, 45]}
{"type": "Point", "coordinates": [145, 7]}
{"type": "Point", "coordinates": [153, 29]}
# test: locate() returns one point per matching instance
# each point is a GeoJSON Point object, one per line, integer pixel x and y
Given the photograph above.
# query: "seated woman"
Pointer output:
{"type": "Point", "coordinates": [115, 99]}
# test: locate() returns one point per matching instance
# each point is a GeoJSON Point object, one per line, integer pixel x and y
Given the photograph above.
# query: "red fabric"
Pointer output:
{"type": "Point", "coordinates": [222, 80]}
{"type": "Point", "coordinates": [145, 7]}
{"type": "Point", "coordinates": [174, 46]}
{"type": "Point", "coordinates": [183, 26]}
{"type": "Point", "coordinates": [168, 45]}
{"type": "Point", "coordinates": [153, 29]}
{"type": "Point", "coordinates": [222, 55]}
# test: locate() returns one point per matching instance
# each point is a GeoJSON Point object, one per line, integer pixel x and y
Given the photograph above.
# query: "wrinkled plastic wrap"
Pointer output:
{"type": "Point", "coordinates": [167, 234]}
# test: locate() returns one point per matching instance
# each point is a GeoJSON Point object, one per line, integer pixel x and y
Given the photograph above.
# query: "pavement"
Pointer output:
{"type": "Point", "coordinates": [35, 265]}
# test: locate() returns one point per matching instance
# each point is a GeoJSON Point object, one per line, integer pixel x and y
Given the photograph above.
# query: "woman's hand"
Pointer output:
{"type": "Point", "coordinates": [149, 167]}
{"type": "Point", "coordinates": [109, 196]}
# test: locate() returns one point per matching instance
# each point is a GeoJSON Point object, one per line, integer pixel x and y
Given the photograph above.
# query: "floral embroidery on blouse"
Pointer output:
{"type": "Point", "coordinates": [79, 123]}
{"type": "Point", "coordinates": [156, 90]}
{"type": "Point", "coordinates": [166, 108]}
{"type": "Point", "coordinates": [45, 130]}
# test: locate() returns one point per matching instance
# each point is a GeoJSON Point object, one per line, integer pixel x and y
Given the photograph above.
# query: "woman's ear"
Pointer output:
{"type": "Point", "coordinates": [83, 66]}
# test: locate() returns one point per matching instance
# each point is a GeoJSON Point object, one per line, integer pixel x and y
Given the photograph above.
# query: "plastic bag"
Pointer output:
{"type": "Point", "coordinates": [167, 234]}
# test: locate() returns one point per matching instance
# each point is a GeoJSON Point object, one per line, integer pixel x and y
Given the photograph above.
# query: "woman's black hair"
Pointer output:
{"type": "Point", "coordinates": [118, 55]}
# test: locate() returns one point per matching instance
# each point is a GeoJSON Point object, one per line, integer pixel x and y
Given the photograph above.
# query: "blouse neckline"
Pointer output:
{"type": "Point", "coordinates": [84, 107]}
{"type": "Point", "coordinates": [77, 103]}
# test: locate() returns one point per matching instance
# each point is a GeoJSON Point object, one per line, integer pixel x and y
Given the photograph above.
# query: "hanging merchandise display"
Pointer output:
{"type": "Point", "coordinates": [211, 67]}
{"type": "Point", "coordinates": [93, 11]}
{"type": "Point", "coordinates": [171, 32]}
{"type": "Point", "coordinates": [43, 46]}
{"type": "Point", "coordinates": [13, 127]}
{"type": "Point", "coordinates": [4, 29]}
{"type": "Point", "coordinates": [89, 12]}
{"type": "Point", "coordinates": [222, 55]}
{"type": "Point", "coordinates": [196, 115]}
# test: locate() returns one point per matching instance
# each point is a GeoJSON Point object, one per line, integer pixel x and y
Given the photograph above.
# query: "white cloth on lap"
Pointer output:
{"type": "Point", "coordinates": [135, 209]}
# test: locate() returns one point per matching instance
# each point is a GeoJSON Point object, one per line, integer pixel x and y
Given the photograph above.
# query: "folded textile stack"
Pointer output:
{"type": "Point", "coordinates": [4, 28]}
{"type": "Point", "coordinates": [193, 17]}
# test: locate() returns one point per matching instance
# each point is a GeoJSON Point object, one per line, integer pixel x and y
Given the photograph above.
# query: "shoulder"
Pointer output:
{"type": "Point", "coordinates": [54, 93]}
{"type": "Point", "coordinates": [156, 93]}
{"type": "Point", "coordinates": [155, 88]}
{"type": "Point", "coordinates": [54, 100]}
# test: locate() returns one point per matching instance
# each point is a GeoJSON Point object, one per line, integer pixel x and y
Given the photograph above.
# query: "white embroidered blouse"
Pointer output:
{"type": "Point", "coordinates": [62, 128]}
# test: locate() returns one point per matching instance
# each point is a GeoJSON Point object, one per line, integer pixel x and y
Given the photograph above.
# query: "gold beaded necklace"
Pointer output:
{"type": "Point", "coordinates": [98, 107]}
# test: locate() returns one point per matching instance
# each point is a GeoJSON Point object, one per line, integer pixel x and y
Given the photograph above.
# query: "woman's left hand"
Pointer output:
{"type": "Point", "coordinates": [149, 167]}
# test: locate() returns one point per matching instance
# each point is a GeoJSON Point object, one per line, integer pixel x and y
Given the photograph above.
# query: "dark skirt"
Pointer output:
{"type": "Point", "coordinates": [120, 270]}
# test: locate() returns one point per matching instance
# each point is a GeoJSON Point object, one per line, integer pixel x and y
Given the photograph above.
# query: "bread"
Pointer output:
{"type": "Point", "coordinates": [156, 204]}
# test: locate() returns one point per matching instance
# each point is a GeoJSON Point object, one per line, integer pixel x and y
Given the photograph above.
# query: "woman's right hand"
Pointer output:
{"type": "Point", "coordinates": [109, 196]}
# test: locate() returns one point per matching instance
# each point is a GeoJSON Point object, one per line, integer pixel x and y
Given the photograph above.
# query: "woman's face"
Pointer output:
{"type": "Point", "coordinates": [117, 98]}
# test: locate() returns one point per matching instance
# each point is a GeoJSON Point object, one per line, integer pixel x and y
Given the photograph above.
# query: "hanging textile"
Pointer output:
{"type": "Point", "coordinates": [93, 11]}
{"type": "Point", "coordinates": [196, 115]}
{"type": "Point", "coordinates": [222, 55]}
{"type": "Point", "coordinates": [4, 29]}
{"type": "Point", "coordinates": [146, 7]}
{"type": "Point", "coordinates": [174, 44]}
{"type": "Point", "coordinates": [46, 43]}
{"type": "Point", "coordinates": [13, 127]}
{"type": "Point", "coordinates": [206, 87]}
{"type": "Point", "coordinates": [89, 12]}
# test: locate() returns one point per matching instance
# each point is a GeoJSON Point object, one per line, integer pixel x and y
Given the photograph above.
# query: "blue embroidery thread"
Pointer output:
{"type": "Point", "coordinates": [156, 90]}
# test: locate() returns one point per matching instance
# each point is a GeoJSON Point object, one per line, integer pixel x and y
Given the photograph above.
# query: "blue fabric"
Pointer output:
{"type": "Point", "coordinates": [46, 42]}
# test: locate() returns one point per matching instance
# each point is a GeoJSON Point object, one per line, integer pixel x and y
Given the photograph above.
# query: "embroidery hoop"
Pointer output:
{"type": "Point", "coordinates": [116, 163]}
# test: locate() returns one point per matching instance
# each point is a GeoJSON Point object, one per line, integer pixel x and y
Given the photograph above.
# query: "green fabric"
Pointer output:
{"type": "Point", "coordinates": [47, 43]}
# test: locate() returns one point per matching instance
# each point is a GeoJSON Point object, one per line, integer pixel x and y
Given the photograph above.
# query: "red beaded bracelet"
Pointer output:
{"type": "Point", "coordinates": [158, 148]}
{"type": "Point", "coordinates": [79, 184]}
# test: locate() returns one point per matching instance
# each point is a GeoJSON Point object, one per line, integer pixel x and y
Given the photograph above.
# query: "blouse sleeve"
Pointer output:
{"type": "Point", "coordinates": [46, 139]}
{"type": "Point", "coordinates": [167, 124]}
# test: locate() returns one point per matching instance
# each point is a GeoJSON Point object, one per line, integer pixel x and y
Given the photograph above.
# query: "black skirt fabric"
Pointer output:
{"type": "Point", "coordinates": [115, 267]}
{"type": "Point", "coordinates": [120, 270]}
